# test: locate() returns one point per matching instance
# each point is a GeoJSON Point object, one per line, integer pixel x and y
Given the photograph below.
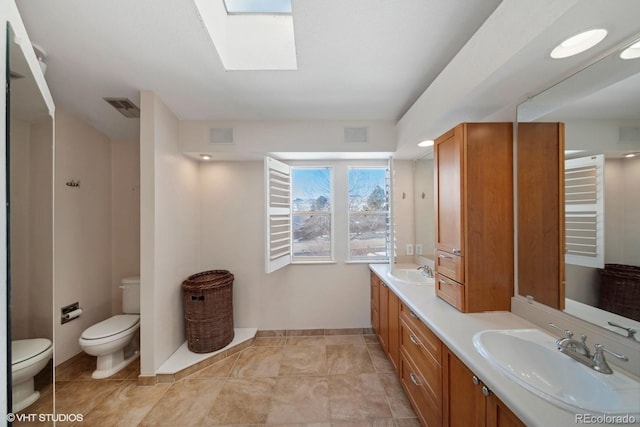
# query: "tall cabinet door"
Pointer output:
{"type": "Point", "coordinates": [448, 155]}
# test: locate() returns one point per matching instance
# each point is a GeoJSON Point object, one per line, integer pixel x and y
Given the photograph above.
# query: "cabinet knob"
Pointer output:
{"type": "Point", "coordinates": [475, 380]}
{"type": "Point", "coordinates": [486, 391]}
{"type": "Point", "coordinates": [456, 251]}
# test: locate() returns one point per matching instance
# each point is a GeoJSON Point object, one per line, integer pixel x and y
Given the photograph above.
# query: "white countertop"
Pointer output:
{"type": "Point", "coordinates": [456, 331]}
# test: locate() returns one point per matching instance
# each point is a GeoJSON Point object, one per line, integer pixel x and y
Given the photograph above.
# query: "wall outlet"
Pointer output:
{"type": "Point", "coordinates": [409, 249]}
{"type": "Point", "coordinates": [418, 248]}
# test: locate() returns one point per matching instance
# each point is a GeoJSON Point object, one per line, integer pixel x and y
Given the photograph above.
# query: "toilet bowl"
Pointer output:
{"type": "Point", "coordinates": [28, 357]}
{"type": "Point", "coordinates": [114, 340]}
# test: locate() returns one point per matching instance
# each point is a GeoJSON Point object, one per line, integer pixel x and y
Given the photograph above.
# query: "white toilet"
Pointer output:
{"type": "Point", "coordinates": [112, 340]}
{"type": "Point", "coordinates": [28, 357]}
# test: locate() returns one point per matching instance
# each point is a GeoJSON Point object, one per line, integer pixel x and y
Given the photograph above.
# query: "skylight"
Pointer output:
{"type": "Point", "coordinates": [258, 6]}
{"type": "Point", "coordinates": [251, 34]}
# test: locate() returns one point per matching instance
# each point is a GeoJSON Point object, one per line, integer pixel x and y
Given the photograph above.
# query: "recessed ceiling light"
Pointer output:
{"type": "Point", "coordinates": [632, 52]}
{"type": "Point", "coordinates": [578, 43]}
{"type": "Point", "coordinates": [426, 143]}
{"type": "Point", "coordinates": [630, 155]}
{"type": "Point", "coordinates": [205, 156]}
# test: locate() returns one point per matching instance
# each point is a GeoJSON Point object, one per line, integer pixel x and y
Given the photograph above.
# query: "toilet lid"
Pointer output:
{"type": "Point", "coordinates": [22, 350]}
{"type": "Point", "coordinates": [112, 326]}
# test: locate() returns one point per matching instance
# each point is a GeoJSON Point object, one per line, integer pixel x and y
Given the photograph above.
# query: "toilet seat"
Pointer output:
{"type": "Point", "coordinates": [23, 351]}
{"type": "Point", "coordinates": [112, 326]}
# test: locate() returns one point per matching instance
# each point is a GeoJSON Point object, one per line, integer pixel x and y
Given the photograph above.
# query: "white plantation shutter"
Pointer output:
{"type": "Point", "coordinates": [278, 214]}
{"type": "Point", "coordinates": [584, 211]}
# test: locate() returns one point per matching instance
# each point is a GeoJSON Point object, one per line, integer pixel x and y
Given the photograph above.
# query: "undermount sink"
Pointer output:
{"type": "Point", "coordinates": [530, 358]}
{"type": "Point", "coordinates": [411, 276]}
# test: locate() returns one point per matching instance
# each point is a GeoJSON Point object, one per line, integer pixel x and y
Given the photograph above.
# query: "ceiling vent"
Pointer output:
{"type": "Point", "coordinates": [125, 107]}
{"type": "Point", "coordinates": [221, 135]}
{"type": "Point", "coordinates": [356, 134]}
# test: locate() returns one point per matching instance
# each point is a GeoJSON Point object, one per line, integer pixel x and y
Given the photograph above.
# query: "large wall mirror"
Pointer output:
{"type": "Point", "coordinates": [423, 205]}
{"type": "Point", "coordinates": [30, 232]}
{"type": "Point", "coordinates": [600, 109]}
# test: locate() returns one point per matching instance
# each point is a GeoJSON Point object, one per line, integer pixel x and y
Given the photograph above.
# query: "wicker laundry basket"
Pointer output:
{"type": "Point", "coordinates": [620, 290]}
{"type": "Point", "coordinates": [208, 310]}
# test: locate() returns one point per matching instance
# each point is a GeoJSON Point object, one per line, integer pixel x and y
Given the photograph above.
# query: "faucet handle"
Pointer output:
{"type": "Point", "coordinates": [602, 349]}
{"type": "Point", "coordinates": [630, 331]}
{"type": "Point", "coordinates": [567, 332]}
{"type": "Point", "coordinates": [600, 363]}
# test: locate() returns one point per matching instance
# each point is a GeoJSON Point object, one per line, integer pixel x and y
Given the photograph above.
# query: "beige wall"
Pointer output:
{"type": "Point", "coordinates": [125, 215]}
{"type": "Point", "coordinates": [403, 208]}
{"type": "Point", "coordinates": [170, 220]}
{"type": "Point", "coordinates": [424, 207]}
{"type": "Point", "coordinates": [19, 228]}
{"type": "Point", "coordinates": [296, 296]}
{"type": "Point", "coordinates": [82, 229]}
{"type": "Point", "coordinates": [31, 229]}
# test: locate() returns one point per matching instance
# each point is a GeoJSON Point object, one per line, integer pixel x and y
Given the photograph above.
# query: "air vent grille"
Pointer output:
{"type": "Point", "coordinates": [629, 134]}
{"type": "Point", "coordinates": [221, 135]}
{"type": "Point", "coordinates": [125, 107]}
{"type": "Point", "coordinates": [352, 134]}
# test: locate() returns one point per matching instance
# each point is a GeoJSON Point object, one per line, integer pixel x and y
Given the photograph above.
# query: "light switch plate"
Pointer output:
{"type": "Point", "coordinates": [409, 249]}
{"type": "Point", "coordinates": [418, 248]}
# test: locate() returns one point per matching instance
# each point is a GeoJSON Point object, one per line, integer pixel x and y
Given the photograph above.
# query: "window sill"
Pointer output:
{"type": "Point", "coordinates": [312, 262]}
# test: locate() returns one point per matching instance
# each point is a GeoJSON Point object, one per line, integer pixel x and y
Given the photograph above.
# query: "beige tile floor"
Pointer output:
{"type": "Point", "coordinates": [342, 380]}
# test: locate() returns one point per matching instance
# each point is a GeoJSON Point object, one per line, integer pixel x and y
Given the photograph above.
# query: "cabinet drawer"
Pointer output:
{"type": "Point", "coordinates": [450, 265]}
{"type": "Point", "coordinates": [428, 368]}
{"type": "Point", "coordinates": [430, 341]}
{"type": "Point", "coordinates": [430, 412]}
{"type": "Point", "coordinates": [450, 291]}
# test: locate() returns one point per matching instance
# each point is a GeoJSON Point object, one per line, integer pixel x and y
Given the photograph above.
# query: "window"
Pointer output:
{"type": "Point", "coordinates": [368, 213]}
{"type": "Point", "coordinates": [303, 223]}
{"type": "Point", "coordinates": [311, 214]}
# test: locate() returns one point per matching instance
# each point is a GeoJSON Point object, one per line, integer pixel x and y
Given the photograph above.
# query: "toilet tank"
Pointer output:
{"type": "Point", "coordinates": [131, 295]}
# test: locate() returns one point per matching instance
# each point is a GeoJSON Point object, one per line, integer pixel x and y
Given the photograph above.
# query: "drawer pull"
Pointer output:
{"type": "Point", "coordinates": [442, 282]}
{"type": "Point", "coordinates": [486, 391]}
{"type": "Point", "coordinates": [412, 314]}
{"type": "Point", "coordinates": [456, 251]}
{"type": "Point", "coordinates": [444, 256]}
{"type": "Point", "coordinates": [414, 340]}
{"type": "Point", "coordinates": [414, 379]}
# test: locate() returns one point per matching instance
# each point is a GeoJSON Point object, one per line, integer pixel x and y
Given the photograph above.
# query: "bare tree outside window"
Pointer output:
{"type": "Point", "coordinates": [311, 213]}
{"type": "Point", "coordinates": [368, 213]}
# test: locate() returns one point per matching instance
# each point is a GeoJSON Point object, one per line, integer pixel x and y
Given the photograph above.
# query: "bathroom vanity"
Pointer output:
{"type": "Point", "coordinates": [448, 381]}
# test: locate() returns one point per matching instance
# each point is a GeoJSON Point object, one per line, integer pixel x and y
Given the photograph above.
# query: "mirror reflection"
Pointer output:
{"type": "Point", "coordinates": [423, 205]}
{"type": "Point", "coordinates": [30, 194]}
{"type": "Point", "coordinates": [600, 109]}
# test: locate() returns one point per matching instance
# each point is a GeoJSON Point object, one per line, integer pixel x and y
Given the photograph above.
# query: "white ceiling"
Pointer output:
{"type": "Point", "coordinates": [357, 59]}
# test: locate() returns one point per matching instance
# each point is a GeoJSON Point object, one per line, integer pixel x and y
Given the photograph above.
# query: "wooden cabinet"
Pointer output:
{"type": "Point", "coordinates": [393, 342]}
{"type": "Point", "coordinates": [441, 388]}
{"type": "Point", "coordinates": [468, 402]}
{"type": "Point", "coordinates": [385, 310]}
{"type": "Point", "coordinates": [420, 367]}
{"type": "Point", "coordinates": [474, 216]}
{"type": "Point", "coordinates": [375, 303]}
{"type": "Point", "coordinates": [541, 220]}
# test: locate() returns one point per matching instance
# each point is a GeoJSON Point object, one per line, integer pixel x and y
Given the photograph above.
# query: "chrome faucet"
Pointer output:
{"type": "Point", "coordinates": [427, 271]}
{"type": "Point", "coordinates": [578, 351]}
{"type": "Point", "coordinates": [569, 344]}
